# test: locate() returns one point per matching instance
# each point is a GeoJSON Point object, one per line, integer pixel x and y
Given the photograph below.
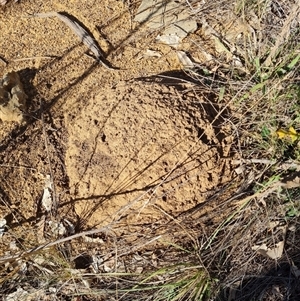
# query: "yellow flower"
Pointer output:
{"type": "Point", "coordinates": [291, 134]}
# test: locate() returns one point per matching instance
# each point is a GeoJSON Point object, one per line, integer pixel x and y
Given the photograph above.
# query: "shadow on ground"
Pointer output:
{"type": "Point", "coordinates": [279, 280]}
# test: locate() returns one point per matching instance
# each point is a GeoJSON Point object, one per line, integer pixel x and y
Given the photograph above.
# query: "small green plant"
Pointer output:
{"type": "Point", "coordinates": [292, 204]}
{"type": "Point", "coordinates": [292, 211]}
{"type": "Point", "coordinates": [178, 282]}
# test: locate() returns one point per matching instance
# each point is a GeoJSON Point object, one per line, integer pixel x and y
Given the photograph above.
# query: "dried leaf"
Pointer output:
{"type": "Point", "coordinates": [185, 60]}
{"type": "Point", "coordinates": [292, 183]}
{"type": "Point", "coordinates": [171, 39]}
{"type": "Point", "coordinates": [152, 53]}
{"type": "Point", "coordinates": [274, 253]}
{"type": "Point", "coordinates": [277, 250]}
{"type": "Point", "coordinates": [47, 198]}
{"type": "Point", "coordinates": [83, 35]}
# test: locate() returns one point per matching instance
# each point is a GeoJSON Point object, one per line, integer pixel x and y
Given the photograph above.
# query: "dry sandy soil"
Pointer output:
{"type": "Point", "coordinates": [110, 140]}
{"type": "Point", "coordinates": [140, 151]}
{"type": "Point", "coordinates": [122, 148]}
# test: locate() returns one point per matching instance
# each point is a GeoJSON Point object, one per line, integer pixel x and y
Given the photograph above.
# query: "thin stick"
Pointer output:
{"type": "Point", "coordinates": [50, 244]}
{"type": "Point", "coordinates": [257, 161]}
{"type": "Point", "coordinates": [17, 166]}
{"type": "Point", "coordinates": [35, 58]}
{"type": "Point", "coordinates": [284, 165]}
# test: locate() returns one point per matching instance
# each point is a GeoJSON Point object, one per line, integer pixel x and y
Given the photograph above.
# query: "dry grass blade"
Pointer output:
{"type": "Point", "coordinates": [50, 244]}
{"type": "Point", "coordinates": [284, 34]}
{"type": "Point", "coordinates": [82, 33]}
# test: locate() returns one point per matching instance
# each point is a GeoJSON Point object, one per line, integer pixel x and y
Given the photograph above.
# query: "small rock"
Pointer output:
{"type": "Point", "coordinates": [12, 98]}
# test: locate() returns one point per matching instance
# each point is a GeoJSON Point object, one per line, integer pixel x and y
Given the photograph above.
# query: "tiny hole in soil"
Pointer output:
{"type": "Point", "coordinates": [96, 122]}
{"type": "Point", "coordinates": [103, 138]}
{"type": "Point", "coordinates": [83, 261]}
{"type": "Point", "coordinates": [210, 178]}
{"type": "Point", "coordinates": [164, 198]}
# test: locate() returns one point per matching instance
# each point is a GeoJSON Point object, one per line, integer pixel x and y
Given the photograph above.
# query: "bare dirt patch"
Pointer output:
{"type": "Point", "coordinates": [120, 146]}
{"type": "Point", "coordinates": [107, 141]}
{"type": "Point", "coordinates": [137, 144]}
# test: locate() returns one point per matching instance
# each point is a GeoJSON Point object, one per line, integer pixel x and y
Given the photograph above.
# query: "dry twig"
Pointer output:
{"type": "Point", "coordinates": [50, 244]}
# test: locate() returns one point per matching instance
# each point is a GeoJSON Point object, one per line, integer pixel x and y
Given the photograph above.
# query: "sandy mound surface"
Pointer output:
{"type": "Point", "coordinates": [137, 144]}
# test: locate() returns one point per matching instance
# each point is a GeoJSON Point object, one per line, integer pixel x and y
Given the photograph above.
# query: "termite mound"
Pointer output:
{"type": "Point", "coordinates": [137, 147]}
